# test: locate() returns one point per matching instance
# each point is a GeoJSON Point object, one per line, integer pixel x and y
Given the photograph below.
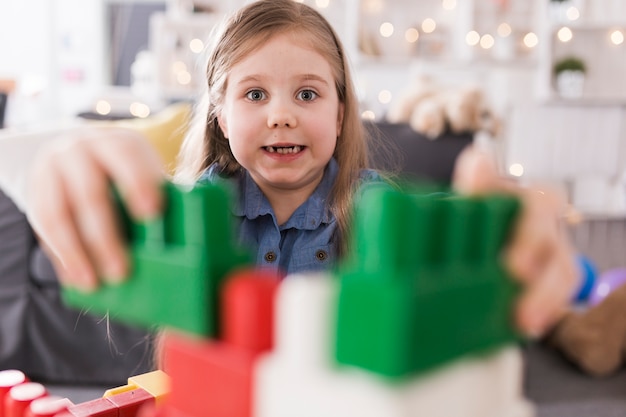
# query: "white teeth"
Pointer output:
{"type": "Point", "coordinates": [284, 150]}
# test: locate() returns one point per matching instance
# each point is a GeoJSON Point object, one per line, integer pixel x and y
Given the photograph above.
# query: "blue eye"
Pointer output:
{"type": "Point", "coordinates": [307, 95]}
{"type": "Point", "coordinates": [255, 95]}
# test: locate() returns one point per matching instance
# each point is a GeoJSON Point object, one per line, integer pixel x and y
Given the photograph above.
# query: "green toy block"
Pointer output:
{"type": "Point", "coordinates": [179, 262]}
{"type": "Point", "coordinates": [425, 284]}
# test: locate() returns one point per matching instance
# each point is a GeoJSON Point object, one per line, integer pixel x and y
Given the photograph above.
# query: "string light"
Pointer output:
{"type": "Point", "coordinates": [196, 45]}
{"type": "Point", "coordinates": [516, 170]}
{"type": "Point", "coordinates": [411, 35]}
{"type": "Point", "coordinates": [448, 4]}
{"type": "Point", "coordinates": [565, 34]}
{"type": "Point", "coordinates": [386, 30]}
{"type": "Point", "coordinates": [384, 97]}
{"type": "Point", "coordinates": [103, 107]}
{"type": "Point", "coordinates": [530, 40]}
{"type": "Point", "coordinates": [322, 4]}
{"type": "Point", "coordinates": [183, 77]}
{"type": "Point", "coordinates": [504, 30]}
{"type": "Point", "coordinates": [139, 110]}
{"type": "Point", "coordinates": [373, 7]}
{"type": "Point", "coordinates": [472, 38]}
{"type": "Point", "coordinates": [368, 115]}
{"type": "Point", "coordinates": [572, 13]}
{"type": "Point", "coordinates": [617, 37]}
{"type": "Point", "coordinates": [429, 25]}
{"type": "Point", "coordinates": [487, 41]}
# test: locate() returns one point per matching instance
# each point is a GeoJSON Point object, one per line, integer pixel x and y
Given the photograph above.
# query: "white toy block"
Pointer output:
{"type": "Point", "coordinates": [305, 307]}
{"type": "Point", "coordinates": [301, 378]}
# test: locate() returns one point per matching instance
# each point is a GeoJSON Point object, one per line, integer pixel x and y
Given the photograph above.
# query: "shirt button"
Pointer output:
{"type": "Point", "coordinates": [270, 257]}
{"type": "Point", "coordinates": [321, 255]}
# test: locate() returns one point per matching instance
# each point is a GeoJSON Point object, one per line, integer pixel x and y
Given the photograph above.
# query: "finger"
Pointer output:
{"type": "Point", "coordinates": [134, 168]}
{"type": "Point", "coordinates": [538, 234]}
{"type": "Point", "coordinates": [532, 243]}
{"type": "Point", "coordinates": [476, 173]}
{"type": "Point", "coordinates": [545, 302]}
{"type": "Point", "coordinates": [51, 219]}
{"type": "Point", "coordinates": [87, 192]}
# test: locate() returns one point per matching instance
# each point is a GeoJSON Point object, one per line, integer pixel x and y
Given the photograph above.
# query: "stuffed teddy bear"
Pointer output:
{"type": "Point", "coordinates": [431, 109]}
{"type": "Point", "coordinates": [594, 339]}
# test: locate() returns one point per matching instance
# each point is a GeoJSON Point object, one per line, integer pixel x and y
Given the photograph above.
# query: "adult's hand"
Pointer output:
{"type": "Point", "coordinates": [68, 200]}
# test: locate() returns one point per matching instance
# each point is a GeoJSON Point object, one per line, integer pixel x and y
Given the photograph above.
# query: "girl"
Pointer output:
{"type": "Point", "coordinates": [281, 121]}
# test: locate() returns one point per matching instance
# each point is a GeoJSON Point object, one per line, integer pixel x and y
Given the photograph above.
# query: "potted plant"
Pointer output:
{"type": "Point", "coordinates": [570, 73]}
{"type": "Point", "coordinates": [558, 9]}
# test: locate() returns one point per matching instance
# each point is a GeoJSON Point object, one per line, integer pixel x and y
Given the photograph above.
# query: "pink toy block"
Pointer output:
{"type": "Point", "coordinates": [48, 406]}
{"type": "Point", "coordinates": [8, 379]}
{"type": "Point", "coordinates": [248, 309]}
{"type": "Point", "coordinates": [129, 402]}
{"type": "Point", "coordinates": [20, 396]}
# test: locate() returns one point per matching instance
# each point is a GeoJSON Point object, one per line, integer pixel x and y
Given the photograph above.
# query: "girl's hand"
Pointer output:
{"type": "Point", "coordinates": [69, 205]}
{"type": "Point", "coordinates": [539, 254]}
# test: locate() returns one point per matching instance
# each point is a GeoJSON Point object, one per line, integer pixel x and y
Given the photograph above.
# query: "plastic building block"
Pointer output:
{"type": "Point", "coordinates": [100, 407]}
{"type": "Point", "coordinates": [8, 379]}
{"type": "Point", "coordinates": [248, 309]}
{"type": "Point", "coordinates": [128, 403]}
{"type": "Point", "coordinates": [214, 378]}
{"type": "Point", "coordinates": [300, 377]}
{"type": "Point", "coordinates": [209, 378]}
{"type": "Point", "coordinates": [156, 383]}
{"type": "Point", "coordinates": [20, 396]}
{"type": "Point", "coordinates": [48, 406]}
{"type": "Point", "coordinates": [425, 284]}
{"type": "Point", "coordinates": [179, 263]}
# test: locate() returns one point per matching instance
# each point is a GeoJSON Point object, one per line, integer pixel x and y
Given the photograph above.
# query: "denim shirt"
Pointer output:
{"type": "Point", "coordinates": [306, 242]}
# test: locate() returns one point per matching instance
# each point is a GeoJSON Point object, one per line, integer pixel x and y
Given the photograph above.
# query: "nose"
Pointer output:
{"type": "Point", "coordinates": [281, 115]}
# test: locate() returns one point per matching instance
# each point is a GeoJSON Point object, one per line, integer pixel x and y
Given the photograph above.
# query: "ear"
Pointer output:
{"type": "Point", "coordinates": [340, 113]}
{"type": "Point", "coordinates": [221, 120]}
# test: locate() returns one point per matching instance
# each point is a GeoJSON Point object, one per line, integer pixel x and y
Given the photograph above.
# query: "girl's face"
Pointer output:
{"type": "Point", "coordinates": [281, 114]}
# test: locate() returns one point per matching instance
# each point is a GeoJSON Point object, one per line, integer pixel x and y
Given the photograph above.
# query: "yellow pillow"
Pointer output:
{"type": "Point", "coordinates": [165, 130]}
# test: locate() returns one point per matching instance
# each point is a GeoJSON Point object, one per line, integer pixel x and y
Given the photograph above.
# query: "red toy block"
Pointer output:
{"type": "Point", "coordinates": [100, 407]}
{"type": "Point", "coordinates": [48, 406]}
{"type": "Point", "coordinates": [20, 396]}
{"type": "Point", "coordinates": [209, 379]}
{"type": "Point", "coordinates": [248, 309]}
{"type": "Point", "coordinates": [8, 379]}
{"type": "Point", "coordinates": [129, 402]}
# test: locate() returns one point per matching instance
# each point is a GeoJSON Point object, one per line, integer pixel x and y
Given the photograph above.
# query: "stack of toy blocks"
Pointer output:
{"type": "Point", "coordinates": [19, 397]}
{"type": "Point", "coordinates": [417, 321]}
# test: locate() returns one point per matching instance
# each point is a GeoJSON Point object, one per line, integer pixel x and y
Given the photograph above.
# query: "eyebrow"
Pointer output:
{"type": "Point", "coordinates": [304, 77]}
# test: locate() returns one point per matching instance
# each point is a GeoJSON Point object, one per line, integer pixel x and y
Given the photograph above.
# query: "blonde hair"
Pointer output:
{"type": "Point", "coordinates": [248, 28]}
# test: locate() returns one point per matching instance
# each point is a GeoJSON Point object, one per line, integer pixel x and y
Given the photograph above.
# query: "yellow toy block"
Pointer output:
{"type": "Point", "coordinates": [156, 383]}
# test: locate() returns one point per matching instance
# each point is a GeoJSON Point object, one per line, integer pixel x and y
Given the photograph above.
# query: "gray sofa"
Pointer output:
{"type": "Point", "coordinates": [43, 338]}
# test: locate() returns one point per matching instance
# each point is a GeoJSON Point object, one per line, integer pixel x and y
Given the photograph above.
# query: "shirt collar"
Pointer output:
{"type": "Point", "coordinates": [252, 203]}
{"type": "Point", "coordinates": [313, 212]}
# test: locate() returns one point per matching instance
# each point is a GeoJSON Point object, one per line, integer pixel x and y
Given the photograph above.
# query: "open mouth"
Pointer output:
{"type": "Point", "coordinates": [284, 149]}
